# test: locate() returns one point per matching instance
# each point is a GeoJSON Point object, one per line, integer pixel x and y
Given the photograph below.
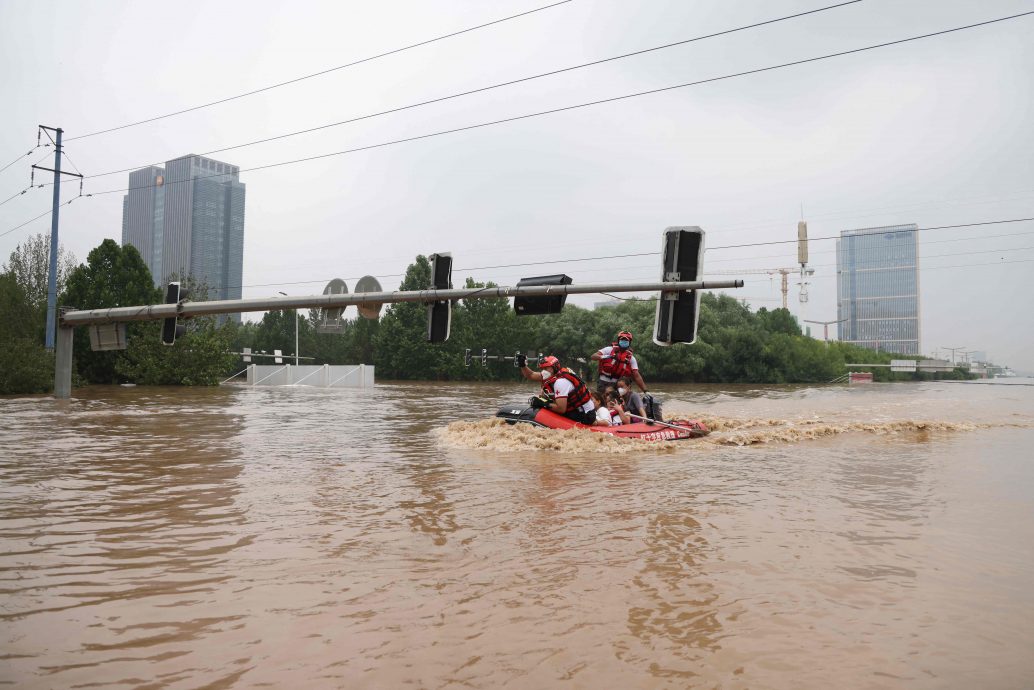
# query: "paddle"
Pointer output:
{"type": "Point", "coordinates": [654, 421]}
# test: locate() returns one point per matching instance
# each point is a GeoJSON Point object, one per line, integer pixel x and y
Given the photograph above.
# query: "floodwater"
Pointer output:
{"type": "Point", "coordinates": [874, 537]}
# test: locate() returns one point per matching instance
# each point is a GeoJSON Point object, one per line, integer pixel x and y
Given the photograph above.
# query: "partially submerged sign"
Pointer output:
{"type": "Point", "coordinates": [108, 336]}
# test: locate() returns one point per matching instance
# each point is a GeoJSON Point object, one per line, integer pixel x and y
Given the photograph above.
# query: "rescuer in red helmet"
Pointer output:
{"type": "Point", "coordinates": [562, 391]}
{"type": "Point", "coordinates": [616, 361]}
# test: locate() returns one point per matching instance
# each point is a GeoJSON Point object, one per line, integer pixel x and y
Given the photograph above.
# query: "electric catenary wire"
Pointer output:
{"type": "Point", "coordinates": [29, 153]}
{"type": "Point", "coordinates": [586, 105]}
{"type": "Point", "coordinates": [31, 220]}
{"type": "Point", "coordinates": [494, 86]}
{"type": "Point", "coordinates": [632, 255]}
{"type": "Point", "coordinates": [577, 106]}
{"type": "Point", "coordinates": [320, 73]}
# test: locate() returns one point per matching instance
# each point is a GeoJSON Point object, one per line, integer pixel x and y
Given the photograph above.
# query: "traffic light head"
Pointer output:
{"type": "Point", "coordinates": [171, 329]}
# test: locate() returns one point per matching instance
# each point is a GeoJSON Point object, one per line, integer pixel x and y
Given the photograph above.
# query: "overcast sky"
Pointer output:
{"type": "Point", "coordinates": [933, 132]}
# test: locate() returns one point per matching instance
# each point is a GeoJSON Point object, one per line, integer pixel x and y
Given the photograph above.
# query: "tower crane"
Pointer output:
{"type": "Point", "coordinates": [803, 271]}
{"type": "Point", "coordinates": [784, 273]}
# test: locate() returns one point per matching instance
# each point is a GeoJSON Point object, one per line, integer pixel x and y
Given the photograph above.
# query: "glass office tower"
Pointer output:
{"type": "Point", "coordinates": [188, 219]}
{"type": "Point", "coordinates": [878, 288]}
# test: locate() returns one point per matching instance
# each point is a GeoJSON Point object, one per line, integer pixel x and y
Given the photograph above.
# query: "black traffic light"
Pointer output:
{"type": "Point", "coordinates": [677, 312]}
{"type": "Point", "coordinates": [174, 294]}
{"type": "Point", "coordinates": [551, 304]}
{"type": "Point", "coordinates": [439, 314]}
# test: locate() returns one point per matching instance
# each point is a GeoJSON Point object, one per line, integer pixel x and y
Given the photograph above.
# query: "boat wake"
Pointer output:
{"type": "Point", "coordinates": [749, 432]}
{"type": "Point", "coordinates": [497, 435]}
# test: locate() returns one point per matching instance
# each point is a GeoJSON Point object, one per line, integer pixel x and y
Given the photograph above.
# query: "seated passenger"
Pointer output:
{"type": "Point", "coordinates": [602, 413]}
{"type": "Point", "coordinates": [617, 411]}
{"type": "Point", "coordinates": [630, 400]}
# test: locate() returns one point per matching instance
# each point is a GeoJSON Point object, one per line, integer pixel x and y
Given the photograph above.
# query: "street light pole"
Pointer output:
{"type": "Point", "coordinates": [295, 332]}
{"type": "Point", "coordinates": [825, 326]}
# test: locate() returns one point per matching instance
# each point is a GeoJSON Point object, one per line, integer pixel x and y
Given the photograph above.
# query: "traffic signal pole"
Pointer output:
{"type": "Point", "coordinates": [69, 319]}
{"type": "Point", "coordinates": [63, 363]}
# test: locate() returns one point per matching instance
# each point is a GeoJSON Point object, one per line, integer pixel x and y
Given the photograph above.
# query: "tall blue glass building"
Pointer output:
{"type": "Point", "coordinates": [878, 288]}
{"type": "Point", "coordinates": [188, 219]}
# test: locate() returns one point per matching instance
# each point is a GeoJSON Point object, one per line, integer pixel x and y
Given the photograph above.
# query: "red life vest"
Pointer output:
{"type": "Point", "coordinates": [578, 397]}
{"type": "Point", "coordinates": [620, 365]}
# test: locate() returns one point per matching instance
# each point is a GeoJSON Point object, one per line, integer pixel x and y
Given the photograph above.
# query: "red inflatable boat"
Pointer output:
{"type": "Point", "coordinates": [673, 430]}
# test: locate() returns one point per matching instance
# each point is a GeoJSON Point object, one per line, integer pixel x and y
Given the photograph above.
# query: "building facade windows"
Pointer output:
{"type": "Point", "coordinates": [187, 219]}
{"type": "Point", "coordinates": [878, 288]}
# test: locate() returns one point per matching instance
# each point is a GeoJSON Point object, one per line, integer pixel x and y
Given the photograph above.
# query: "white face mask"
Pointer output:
{"type": "Point", "coordinates": [547, 373]}
{"type": "Point", "coordinates": [622, 391]}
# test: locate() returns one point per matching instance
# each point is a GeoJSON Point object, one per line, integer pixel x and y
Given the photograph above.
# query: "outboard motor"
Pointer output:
{"type": "Point", "coordinates": [653, 407]}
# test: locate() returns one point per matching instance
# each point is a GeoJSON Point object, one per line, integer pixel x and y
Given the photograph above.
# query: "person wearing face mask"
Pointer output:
{"type": "Point", "coordinates": [630, 400]}
{"type": "Point", "coordinates": [562, 391]}
{"type": "Point", "coordinates": [618, 413]}
{"type": "Point", "coordinates": [616, 360]}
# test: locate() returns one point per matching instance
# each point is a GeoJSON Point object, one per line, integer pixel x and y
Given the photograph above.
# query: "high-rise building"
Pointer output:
{"type": "Point", "coordinates": [878, 288]}
{"type": "Point", "coordinates": [187, 219]}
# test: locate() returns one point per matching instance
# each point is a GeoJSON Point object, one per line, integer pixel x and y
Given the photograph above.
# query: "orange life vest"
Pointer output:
{"type": "Point", "coordinates": [578, 397]}
{"type": "Point", "coordinates": [620, 365]}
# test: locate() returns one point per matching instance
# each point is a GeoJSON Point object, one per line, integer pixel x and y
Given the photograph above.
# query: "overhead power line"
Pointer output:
{"type": "Point", "coordinates": [320, 73]}
{"type": "Point", "coordinates": [494, 86]}
{"type": "Point", "coordinates": [923, 269]}
{"type": "Point", "coordinates": [577, 106]}
{"type": "Point", "coordinates": [746, 281]}
{"type": "Point", "coordinates": [619, 256]}
{"type": "Point", "coordinates": [32, 220]}
{"type": "Point", "coordinates": [19, 157]}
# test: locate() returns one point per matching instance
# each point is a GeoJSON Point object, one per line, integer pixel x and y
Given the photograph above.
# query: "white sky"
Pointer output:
{"type": "Point", "coordinates": [934, 132]}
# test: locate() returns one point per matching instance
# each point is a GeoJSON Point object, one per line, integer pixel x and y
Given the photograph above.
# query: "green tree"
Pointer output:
{"type": "Point", "coordinates": [28, 368]}
{"type": "Point", "coordinates": [276, 332]}
{"type": "Point", "coordinates": [30, 265]}
{"type": "Point", "coordinates": [113, 276]}
{"type": "Point", "coordinates": [200, 357]}
{"type": "Point", "coordinates": [778, 321]}
{"type": "Point", "coordinates": [116, 276]}
{"type": "Point", "coordinates": [402, 350]}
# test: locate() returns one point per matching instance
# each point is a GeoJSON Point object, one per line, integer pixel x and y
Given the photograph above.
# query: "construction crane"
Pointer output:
{"type": "Point", "coordinates": [784, 273]}
{"type": "Point", "coordinates": [803, 271]}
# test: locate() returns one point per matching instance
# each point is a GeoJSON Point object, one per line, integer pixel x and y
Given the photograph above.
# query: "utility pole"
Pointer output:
{"type": "Point", "coordinates": [52, 275]}
{"type": "Point", "coordinates": [825, 326]}
{"type": "Point", "coordinates": [295, 332]}
{"type": "Point", "coordinates": [953, 350]}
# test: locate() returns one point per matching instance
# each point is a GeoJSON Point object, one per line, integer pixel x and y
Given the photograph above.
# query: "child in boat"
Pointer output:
{"type": "Point", "coordinates": [602, 413]}
{"type": "Point", "coordinates": [617, 411]}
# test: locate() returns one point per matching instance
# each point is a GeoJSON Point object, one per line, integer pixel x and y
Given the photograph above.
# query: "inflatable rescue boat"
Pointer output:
{"type": "Point", "coordinates": [673, 430]}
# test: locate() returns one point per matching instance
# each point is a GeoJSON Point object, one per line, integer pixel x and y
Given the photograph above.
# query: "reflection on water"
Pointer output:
{"type": "Point", "coordinates": [239, 537]}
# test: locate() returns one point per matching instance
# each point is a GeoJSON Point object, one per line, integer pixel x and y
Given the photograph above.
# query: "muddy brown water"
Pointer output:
{"type": "Point", "coordinates": [873, 537]}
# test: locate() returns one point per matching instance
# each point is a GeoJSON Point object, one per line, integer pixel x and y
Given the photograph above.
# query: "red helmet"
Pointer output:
{"type": "Point", "coordinates": [625, 334]}
{"type": "Point", "coordinates": [550, 361]}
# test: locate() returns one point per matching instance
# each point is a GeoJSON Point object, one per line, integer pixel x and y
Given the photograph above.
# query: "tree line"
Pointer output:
{"type": "Point", "coordinates": [735, 344]}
